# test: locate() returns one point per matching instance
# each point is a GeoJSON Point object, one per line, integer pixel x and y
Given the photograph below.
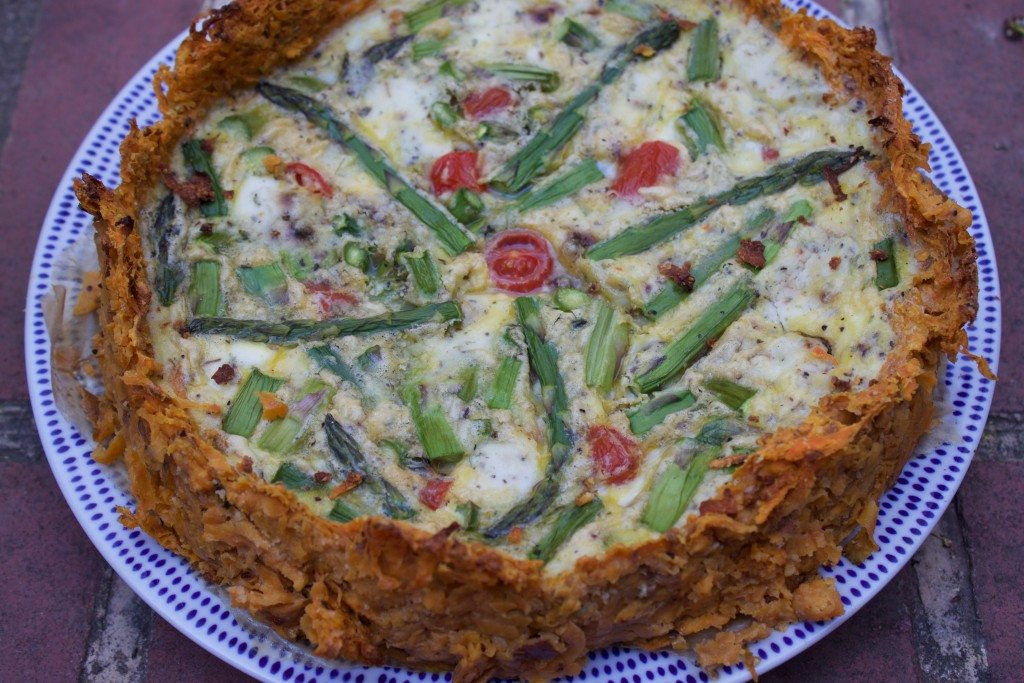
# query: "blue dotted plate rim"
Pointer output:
{"type": "Point", "coordinates": [201, 610]}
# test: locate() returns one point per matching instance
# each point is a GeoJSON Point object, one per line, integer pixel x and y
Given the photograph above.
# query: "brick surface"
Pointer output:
{"type": "Point", "coordinates": [48, 577]}
{"type": "Point", "coordinates": [173, 657]}
{"type": "Point", "coordinates": [82, 54]}
{"type": "Point", "coordinates": [994, 526]}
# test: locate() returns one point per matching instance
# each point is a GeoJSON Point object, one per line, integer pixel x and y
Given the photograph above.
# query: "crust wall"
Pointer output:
{"type": "Point", "coordinates": [380, 591]}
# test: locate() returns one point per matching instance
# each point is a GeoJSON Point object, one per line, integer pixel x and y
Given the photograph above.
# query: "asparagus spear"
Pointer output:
{"type": "Point", "coordinates": [281, 434]}
{"type": "Point", "coordinates": [569, 183]}
{"type": "Point", "coordinates": [651, 414]}
{"type": "Point", "coordinates": [575, 34]}
{"type": "Point", "coordinates": [329, 359]}
{"type": "Point", "coordinates": [295, 331]}
{"type": "Point", "coordinates": [544, 364]}
{"type": "Point", "coordinates": [439, 440]}
{"type": "Point", "coordinates": [504, 383]}
{"type": "Point", "coordinates": [705, 127]}
{"type": "Point", "coordinates": [570, 520]}
{"type": "Point", "coordinates": [246, 409]}
{"type": "Point", "coordinates": [266, 282]}
{"type": "Point", "coordinates": [568, 299]}
{"type": "Point", "coordinates": [424, 273]}
{"type": "Point", "coordinates": [426, 48]}
{"type": "Point", "coordinates": [386, 50]}
{"type": "Point", "coordinates": [705, 59]}
{"type": "Point", "coordinates": [675, 489]}
{"type": "Point", "coordinates": [204, 289]}
{"type": "Point", "coordinates": [549, 80]}
{"type": "Point", "coordinates": [730, 393]}
{"type": "Point", "coordinates": [886, 275]}
{"type": "Point", "coordinates": [451, 236]}
{"type": "Point", "coordinates": [629, 8]}
{"type": "Point", "coordinates": [467, 391]}
{"type": "Point", "coordinates": [199, 161]}
{"type": "Point", "coordinates": [345, 449]}
{"type": "Point", "coordinates": [466, 206]}
{"type": "Point", "coordinates": [641, 237]}
{"type": "Point", "coordinates": [535, 157]}
{"type": "Point", "coordinates": [343, 512]}
{"type": "Point", "coordinates": [443, 114]}
{"type": "Point", "coordinates": [428, 12]}
{"type": "Point", "coordinates": [167, 275]}
{"type": "Point", "coordinates": [292, 477]}
{"type": "Point", "coordinates": [605, 347]}
{"type": "Point", "coordinates": [686, 349]}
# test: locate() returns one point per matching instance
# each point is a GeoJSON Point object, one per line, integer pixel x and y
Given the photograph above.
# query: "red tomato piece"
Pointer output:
{"type": "Point", "coordinates": [331, 300]}
{"type": "Point", "coordinates": [456, 170]}
{"type": "Point", "coordinates": [769, 153]}
{"type": "Point", "coordinates": [614, 453]}
{"type": "Point", "coordinates": [644, 166]}
{"type": "Point", "coordinates": [434, 492]}
{"type": "Point", "coordinates": [519, 260]}
{"type": "Point", "coordinates": [310, 179]}
{"type": "Point", "coordinates": [480, 104]}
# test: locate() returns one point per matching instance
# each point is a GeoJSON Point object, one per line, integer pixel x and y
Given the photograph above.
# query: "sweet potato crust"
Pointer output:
{"type": "Point", "coordinates": [380, 591]}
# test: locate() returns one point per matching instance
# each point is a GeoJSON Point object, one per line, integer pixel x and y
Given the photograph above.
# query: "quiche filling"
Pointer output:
{"type": "Point", "coordinates": [544, 272]}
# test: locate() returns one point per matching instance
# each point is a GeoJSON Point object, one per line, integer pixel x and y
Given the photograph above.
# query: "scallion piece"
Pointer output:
{"type": "Point", "coordinates": [422, 49]}
{"type": "Point", "coordinates": [575, 34]}
{"type": "Point", "coordinates": [246, 409]}
{"type": "Point", "coordinates": [292, 477]}
{"type": "Point", "coordinates": [568, 299]}
{"type": "Point", "coordinates": [467, 390]}
{"type": "Point", "coordinates": [651, 414]}
{"type": "Point", "coordinates": [500, 396]}
{"type": "Point", "coordinates": [444, 115]}
{"type": "Point", "coordinates": [884, 255]}
{"type": "Point", "coordinates": [605, 347]}
{"type": "Point", "coordinates": [439, 440]}
{"type": "Point", "coordinates": [295, 331]}
{"type": "Point", "coordinates": [674, 490]}
{"type": "Point", "coordinates": [705, 127]}
{"type": "Point", "coordinates": [730, 393]}
{"type": "Point", "coordinates": [569, 521]}
{"type": "Point", "coordinates": [549, 80]}
{"type": "Point", "coordinates": [328, 358]}
{"type": "Point", "coordinates": [705, 59]}
{"type": "Point", "coordinates": [346, 451]}
{"type": "Point", "coordinates": [199, 161]}
{"type": "Point", "coordinates": [569, 183]}
{"type": "Point", "coordinates": [466, 205]}
{"type": "Point", "coordinates": [204, 290]}
{"type": "Point", "coordinates": [424, 273]}
{"type": "Point", "coordinates": [266, 282]}
{"type": "Point", "coordinates": [692, 344]}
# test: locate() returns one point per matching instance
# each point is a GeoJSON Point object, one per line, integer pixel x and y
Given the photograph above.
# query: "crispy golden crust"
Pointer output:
{"type": "Point", "coordinates": [376, 590]}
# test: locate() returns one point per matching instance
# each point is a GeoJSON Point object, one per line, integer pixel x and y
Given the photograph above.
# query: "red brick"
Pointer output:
{"type": "Point", "coordinates": [173, 657]}
{"type": "Point", "coordinates": [48, 577]}
{"type": "Point", "coordinates": [876, 644]}
{"type": "Point", "coordinates": [994, 517]}
{"type": "Point", "coordinates": [82, 55]}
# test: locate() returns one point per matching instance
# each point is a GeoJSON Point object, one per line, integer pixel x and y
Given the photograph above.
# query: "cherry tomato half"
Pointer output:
{"type": "Point", "coordinates": [644, 166]}
{"type": "Point", "coordinates": [614, 453]}
{"type": "Point", "coordinates": [332, 301]}
{"type": "Point", "coordinates": [456, 170]}
{"type": "Point", "coordinates": [519, 260]}
{"type": "Point", "coordinates": [434, 492]}
{"type": "Point", "coordinates": [310, 179]}
{"type": "Point", "coordinates": [480, 104]}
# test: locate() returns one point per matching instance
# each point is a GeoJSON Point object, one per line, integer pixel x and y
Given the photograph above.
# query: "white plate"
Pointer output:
{"type": "Point", "coordinates": [201, 611]}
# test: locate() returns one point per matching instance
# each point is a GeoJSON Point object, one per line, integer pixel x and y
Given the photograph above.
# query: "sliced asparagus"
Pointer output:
{"type": "Point", "coordinates": [266, 282]}
{"type": "Point", "coordinates": [705, 57]}
{"type": "Point", "coordinates": [328, 358]}
{"type": "Point", "coordinates": [451, 236]}
{"type": "Point", "coordinates": [730, 393]}
{"type": "Point", "coordinates": [651, 414]}
{"type": "Point", "coordinates": [429, 12]}
{"type": "Point", "coordinates": [345, 449]}
{"type": "Point", "coordinates": [706, 128]}
{"type": "Point", "coordinates": [199, 161]}
{"type": "Point", "coordinates": [168, 275]}
{"type": "Point", "coordinates": [570, 520]}
{"type": "Point", "coordinates": [280, 435]}
{"type": "Point", "coordinates": [204, 289]}
{"type": "Point", "coordinates": [295, 331]}
{"type": "Point", "coordinates": [439, 440]}
{"type": "Point", "coordinates": [639, 238]}
{"type": "Point", "coordinates": [605, 347]}
{"type": "Point", "coordinates": [504, 384]}
{"type": "Point", "coordinates": [424, 273]}
{"type": "Point", "coordinates": [569, 183]}
{"type": "Point", "coordinates": [575, 34]}
{"type": "Point", "coordinates": [246, 410]}
{"type": "Point", "coordinates": [674, 490]}
{"type": "Point", "coordinates": [549, 80]}
{"type": "Point", "coordinates": [886, 275]}
{"type": "Point", "coordinates": [293, 477]}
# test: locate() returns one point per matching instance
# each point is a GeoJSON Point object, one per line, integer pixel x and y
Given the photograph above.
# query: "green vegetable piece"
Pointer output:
{"type": "Point", "coordinates": [692, 344]}
{"type": "Point", "coordinates": [310, 83]}
{"type": "Point", "coordinates": [651, 414]}
{"type": "Point", "coordinates": [204, 289]}
{"type": "Point", "coordinates": [468, 388]}
{"type": "Point", "coordinates": [347, 452]}
{"type": "Point", "coordinates": [440, 443]}
{"type": "Point", "coordinates": [235, 126]}
{"type": "Point", "coordinates": [356, 256]}
{"type": "Point", "coordinates": [444, 115]}
{"type": "Point", "coordinates": [253, 159]}
{"type": "Point", "coordinates": [346, 225]}
{"type": "Point", "coordinates": [466, 206]}
{"type": "Point", "coordinates": [299, 264]}
{"type": "Point", "coordinates": [730, 393]}
{"type": "Point", "coordinates": [280, 435]}
{"type": "Point", "coordinates": [800, 209]}
{"type": "Point", "coordinates": [246, 410]}
{"type": "Point", "coordinates": [293, 478]}
{"type": "Point", "coordinates": [500, 397]}
{"type": "Point", "coordinates": [451, 236]}
{"type": "Point", "coordinates": [575, 34]}
{"type": "Point", "coordinates": [605, 348]}
{"type": "Point", "coordinates": [568, 299]}
{"type": "Point", "coordinates": [549, 80]}
{"type": "Point", "coordinates": [422, 49]}
{"type": "Point", "coordinates": [387, 49]}
{"type": "Point", "coordinates": [470, 514]}
{"type": "Point", "coordinates": [295, 331]}
{"type": "Point", "coordinates": [424, 273]}
{"type": "Point", "coordinates": [641, 237]}
{"type": "Point", "coordinates": [450, 70]}
{"type": "Point", "coordinates": [199, 161]}
{"type": "Point", "coordinates": [266, 282]}
{"type": "Point", "coordinates": [216, 241]}
{"type": "Point", "coordinates": [344, 513]}
{"type": "Point", "coordinates": [369, 358]}
{"type": "Point", "coordinates": [705, 58]}
{"type": "Point", "coordinates": [884, 256]}
{"type": "Point", "coordinates": [328, 358]}
{"type": "Point", "coordinates": [569, 183]}
{"type": "Point", "coordinates": [570, 520]}
{"type": "Point", "coordinates": [168, 274]}
{"type": "Point", "coordinates": [628, 8]}
{"type": "Point", "coordinates": [705, 127]}
{"type": "Point", "coordinates": [674, 490]}
{"type": "Point", "coordinates": [428, 13]}
{"type": "Point", "coordinates": [718, 430]}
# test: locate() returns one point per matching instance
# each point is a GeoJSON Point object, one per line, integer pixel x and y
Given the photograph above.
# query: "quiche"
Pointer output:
{"type": "Point", "coordinates": [480, 334]}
